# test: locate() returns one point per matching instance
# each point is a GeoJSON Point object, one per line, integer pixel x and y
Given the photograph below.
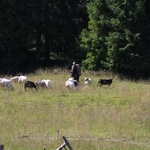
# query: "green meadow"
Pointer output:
{"type": "Point", "coordinates": [90, 117]}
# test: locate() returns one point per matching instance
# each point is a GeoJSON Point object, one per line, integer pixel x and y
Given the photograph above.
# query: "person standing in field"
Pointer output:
{"type": "Point", "coordinates": [75, 71]}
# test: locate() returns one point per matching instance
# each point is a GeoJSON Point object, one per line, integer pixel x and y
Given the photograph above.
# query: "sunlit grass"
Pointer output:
{"type": "Point", "coordinates": [121, 112]}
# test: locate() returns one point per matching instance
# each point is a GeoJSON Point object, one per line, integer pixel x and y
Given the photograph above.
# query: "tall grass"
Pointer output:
{"type": "Point", "coordinates": [93, 118]}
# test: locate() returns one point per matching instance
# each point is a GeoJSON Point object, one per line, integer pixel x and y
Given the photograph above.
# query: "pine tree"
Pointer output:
{"type": "Point", "coordinates": [116, 37]}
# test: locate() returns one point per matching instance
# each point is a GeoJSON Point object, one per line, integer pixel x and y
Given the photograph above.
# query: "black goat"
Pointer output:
{"type": "Point", "coordinates": [104, 82]}
{"type": "Point", "coordinates": [29, 84]}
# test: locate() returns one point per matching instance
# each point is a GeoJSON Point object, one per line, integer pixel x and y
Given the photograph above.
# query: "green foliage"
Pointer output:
{"type": "Point", "coordinates": [92, 39]}
{"type": "Point", "coordinates": [13, 35]}
{"type": "Point", "coordinates": [114, 37]}
{"type": "Point", "coordinates": [41, 27]}
{"type": "Point", "coordinates": [121, 43]}
{"type": "Point", "coordinates": [108, 34]}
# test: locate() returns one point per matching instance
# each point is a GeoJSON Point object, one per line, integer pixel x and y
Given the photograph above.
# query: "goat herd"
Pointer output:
{"type": "Point", "coordinates": [70, 83]}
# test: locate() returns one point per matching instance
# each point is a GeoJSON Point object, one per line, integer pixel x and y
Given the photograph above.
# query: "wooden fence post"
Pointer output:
{"type": "Point", "coordinates": [66, 143]}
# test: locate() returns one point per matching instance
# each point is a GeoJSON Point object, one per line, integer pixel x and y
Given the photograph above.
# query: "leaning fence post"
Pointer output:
{"type": "Point", "coordinates": [66, 143]}
{"type": "Point", "coordinates": [61, 146]}
{"type": "Point", "coordinates": [1, 147]}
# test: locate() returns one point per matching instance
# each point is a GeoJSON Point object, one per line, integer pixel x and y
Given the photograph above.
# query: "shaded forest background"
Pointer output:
{"type": "Point", "coordinates": [110, 35]}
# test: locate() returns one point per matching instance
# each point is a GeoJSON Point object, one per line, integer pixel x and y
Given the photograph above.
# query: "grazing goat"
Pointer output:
{"type": "Point", "coordinates": [47, 83]}
{"type": "Point", "coordinates": [22, 79]}
{"type": "Point", "coordinates": [29, 84]}
{"type": "Point", "coordinates": [71, 84]}
{"type": "Point", "coordinates": [104, 82]}
{"type": "Point", "coordinates": [14, 79]}
{"type": "Point", "coordinates": [87, 81]}
{"type": "Point", "coordinates": [38, 83]}
{"type": "Point", "coordinates": [6, 83]}
{"type": "Point", "coordinates": [43, 83]}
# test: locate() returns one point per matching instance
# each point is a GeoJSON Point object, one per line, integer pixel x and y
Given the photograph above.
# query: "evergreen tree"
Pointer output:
{"type": "Point", "coordinates": [39, 30]}
{"type": "Point", "coordinates": [13, 36]}
{"type": "Point", "coordinates": [116, 37]}
{"type": "Point", "coordinates": [123, 42]}
{"type": "Point", "coordinates": [93, 38]}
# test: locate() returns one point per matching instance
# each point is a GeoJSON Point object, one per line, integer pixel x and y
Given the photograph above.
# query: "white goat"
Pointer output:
{"type": "Point", "coordinates": [71, 84]}
{"type": "Point", "coordinates": [38, 83]}
{"type": "Point", "coordinates": [6, 83]}
{"type": "Point", "coordinates": [5, 79]}
{"type": "Point", "coordinates": [87, 81]}
{"type": "Point", "coordinates": [22, 79]}
{"type": "Point", "coordinates": [47, 83]}
{"type": "Point", "coordinates": [43, 83]}
{"type": "Point", "coordinates": [14, 79]}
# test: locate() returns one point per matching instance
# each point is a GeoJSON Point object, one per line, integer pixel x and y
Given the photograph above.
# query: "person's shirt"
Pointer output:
{"type": "Point", "coordinates": [74, 70]}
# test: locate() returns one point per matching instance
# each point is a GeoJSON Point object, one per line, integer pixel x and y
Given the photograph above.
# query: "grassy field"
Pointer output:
{"type": "Point", "coordinates": [91, 118]}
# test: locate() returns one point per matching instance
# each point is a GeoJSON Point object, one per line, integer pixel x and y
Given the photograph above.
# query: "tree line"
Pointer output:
{"type": "Point", "coordinates": [106, 34]}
